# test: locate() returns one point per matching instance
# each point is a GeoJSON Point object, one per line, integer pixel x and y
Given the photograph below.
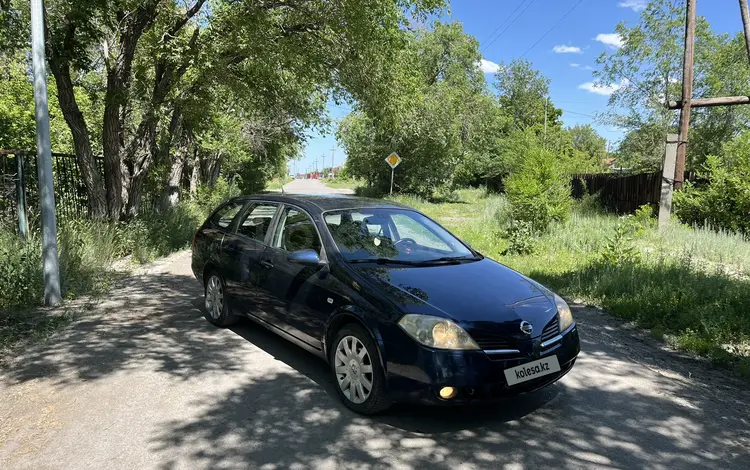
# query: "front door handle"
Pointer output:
{"type": "Point", "coordinates": [266, 264]}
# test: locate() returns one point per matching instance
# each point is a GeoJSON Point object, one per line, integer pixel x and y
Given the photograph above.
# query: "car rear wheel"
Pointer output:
{"type": "Point", "coordinates": [217, 308]}
{"type": "Point", "coordinates": [355, 363]}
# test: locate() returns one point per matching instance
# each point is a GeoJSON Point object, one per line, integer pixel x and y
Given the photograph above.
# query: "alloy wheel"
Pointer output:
{"type": "Point", "coordinates": [214, 297]}
{"type": "Point", "coordinates": [353, 367]}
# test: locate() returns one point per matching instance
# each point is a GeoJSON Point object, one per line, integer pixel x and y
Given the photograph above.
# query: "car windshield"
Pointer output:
{"type": "Point", "coordinates": [388, 234]}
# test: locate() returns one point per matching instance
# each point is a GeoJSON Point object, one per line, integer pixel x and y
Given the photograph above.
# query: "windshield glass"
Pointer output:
{"type": "Point", "coordinates": [392, 234]}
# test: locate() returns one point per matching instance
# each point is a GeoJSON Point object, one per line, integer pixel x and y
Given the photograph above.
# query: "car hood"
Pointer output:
{"type": "Point", "coordinates": [482, 296]}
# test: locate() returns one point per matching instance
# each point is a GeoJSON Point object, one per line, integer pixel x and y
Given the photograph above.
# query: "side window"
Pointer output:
{"type": "Point", "coordinates": [296, 231]}
{"type": "Point", "coordinates": [224, 216]}
{"type": "Point", "coordinates": [410, 228]}
{"type": "Point", "coordinates": [257, 220]}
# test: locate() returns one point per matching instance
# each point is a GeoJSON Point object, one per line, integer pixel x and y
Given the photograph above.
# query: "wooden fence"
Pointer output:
{"type": "Point", "coordinates": [621, 193]}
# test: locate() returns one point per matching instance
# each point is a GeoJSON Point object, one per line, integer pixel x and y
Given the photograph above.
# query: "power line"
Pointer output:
{"type": "Point", "coordinates": [504, 21]}
{"type": "Point", "coordinates": [553, 27]}
{"type": "Point", "coordinates": [509, 25]}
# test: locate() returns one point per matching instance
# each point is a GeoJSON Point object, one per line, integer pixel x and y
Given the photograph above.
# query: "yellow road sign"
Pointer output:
{"type": "Point", "coordinates": [393, 160]}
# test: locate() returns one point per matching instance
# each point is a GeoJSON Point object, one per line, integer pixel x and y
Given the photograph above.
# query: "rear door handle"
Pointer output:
{"type": "Point", "coordinates": [266, 264]}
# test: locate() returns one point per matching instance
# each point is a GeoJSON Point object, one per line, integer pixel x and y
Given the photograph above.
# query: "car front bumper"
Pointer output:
{"type": "Point", "coordinates": [420, 372]}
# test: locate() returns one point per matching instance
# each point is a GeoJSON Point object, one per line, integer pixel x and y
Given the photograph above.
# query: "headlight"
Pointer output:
{"type": "Point", "coordinates": [563, 313]}
{"type": "Point", "coordinates": [436, 332]}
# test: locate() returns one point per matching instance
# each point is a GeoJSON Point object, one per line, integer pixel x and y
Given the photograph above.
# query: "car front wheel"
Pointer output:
{"type": "Point", "coordinates": [217, 308]}
{"type": "Point", "coordinates": [355, 363]}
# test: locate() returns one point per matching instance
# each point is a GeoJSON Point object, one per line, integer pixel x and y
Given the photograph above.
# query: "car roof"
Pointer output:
{"type": "Point", "coordinates": [326, 202]}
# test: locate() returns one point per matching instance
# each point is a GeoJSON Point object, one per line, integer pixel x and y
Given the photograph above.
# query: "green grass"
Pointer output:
{"type": "Point", "coordinates": [688, 286]}
{"type": "Point", "coordinates": [276, 183]}
{"type": "Point", "coordinates": [342, 183]}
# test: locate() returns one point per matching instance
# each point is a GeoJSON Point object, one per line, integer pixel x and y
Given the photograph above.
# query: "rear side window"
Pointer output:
{"type": "Point", "coordinates": [257, 220]}
{"type": "Point", "coordinates": [224, 216]}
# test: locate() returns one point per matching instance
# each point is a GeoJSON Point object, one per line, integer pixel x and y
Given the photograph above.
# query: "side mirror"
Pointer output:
{"type": "Point", "coordinates": [305, 258]}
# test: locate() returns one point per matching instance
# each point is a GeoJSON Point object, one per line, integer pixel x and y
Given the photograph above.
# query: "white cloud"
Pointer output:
{"type": "Point", "coordinates": [488, 66]}
{"type": "Point", "coordinates": [575, 65]}
{"type": "Point", "coordinates": [588, 67]}
{"type": "Point", "coordinates": [604, 90]}
{"type": "Point", "coordinates": [563, 49]}
{"type": "Point", "coordinates": [635, 5]}
{"type": "Point", "coordinates": [613, 40]}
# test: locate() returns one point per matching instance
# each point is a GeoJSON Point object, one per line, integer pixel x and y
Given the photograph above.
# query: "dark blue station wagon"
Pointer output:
{"type": "Point", "coordinates": [401, 309]}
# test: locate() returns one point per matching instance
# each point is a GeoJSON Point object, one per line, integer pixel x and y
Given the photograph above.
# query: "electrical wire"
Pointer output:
{"type": "Point", "coordinates": [553, 27]}
{"type": "Point", "coordinates": [504, 21]}
{"type": "Point", "coordinates": [509, 25]}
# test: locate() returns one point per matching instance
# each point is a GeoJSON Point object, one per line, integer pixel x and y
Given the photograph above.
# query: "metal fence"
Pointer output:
{"type": "Point", "coordinates": [622, 193]}
{"type": "Point", "coordinates": [19, 189]}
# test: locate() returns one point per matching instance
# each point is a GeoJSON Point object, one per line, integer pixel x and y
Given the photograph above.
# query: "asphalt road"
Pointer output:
{"type": "Point", "coordinates": [313, 187]}
{"type": "Point", "coordinates": [143, 381]}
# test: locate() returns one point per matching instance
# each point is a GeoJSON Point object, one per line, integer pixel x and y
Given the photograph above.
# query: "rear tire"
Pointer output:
{"type": "Point", "coordinates": [357, 371]}
{"type": "Point", "coordinates": [216, 305]}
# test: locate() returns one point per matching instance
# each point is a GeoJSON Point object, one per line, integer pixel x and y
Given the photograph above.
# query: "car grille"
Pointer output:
{"type": "Point", "coordinates": [551, 330]}
{"type": "Point", "coordinates": [488, 341]}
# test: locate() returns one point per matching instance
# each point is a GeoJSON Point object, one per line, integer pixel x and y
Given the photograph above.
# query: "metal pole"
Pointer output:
{"type": "Point", "coordinates": [23, 224]}
{"type": "Point", "coordinates": [687, 94]}
{"type": "Point", "coordinates": [333, 150]}
{"type": "Point", "coordinates": [393, 170]}
{"type": "Point", "coordinates": [50, 265]}
{"type": "Point", "coordinates": [746, 25]}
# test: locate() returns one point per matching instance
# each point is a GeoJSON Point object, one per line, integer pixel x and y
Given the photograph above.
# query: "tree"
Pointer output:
{"type": "Point", "coordinates": [585, 139]}
{"type": "Point", "coordinates": [437, 98]}
{"type": "Point", "coordinates": [646, 73]}
{"type": "Point", "coordinates": [642, 149]}
{"type": "Point", "coordinates": [128, 74]}
{"type": "Point", "coordinates": [523, 95]}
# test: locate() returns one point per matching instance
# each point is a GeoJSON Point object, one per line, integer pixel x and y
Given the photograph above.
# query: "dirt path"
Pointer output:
{"type": "Point", "coordinates": [145, 382]}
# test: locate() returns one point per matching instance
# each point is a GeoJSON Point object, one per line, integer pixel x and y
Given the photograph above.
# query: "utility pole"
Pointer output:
{"type": "Point", "coordinates": [746, 24]}
{"type": "Point", "coordinates": [50, 263]}
{"type": "Point", "coordinates": [687, 94]}
{"type": "Point", "coordinates": [333, 151]}
{"type": "Point", "coordinates": [322, 165]}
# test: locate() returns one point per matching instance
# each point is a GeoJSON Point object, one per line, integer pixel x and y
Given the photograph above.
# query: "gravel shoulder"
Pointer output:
{"type": "Point", "coordinates": [143, 381]}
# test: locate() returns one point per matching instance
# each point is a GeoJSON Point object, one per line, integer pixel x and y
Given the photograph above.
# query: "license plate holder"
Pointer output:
{"type": "Point", "coordinates": [532, 370]}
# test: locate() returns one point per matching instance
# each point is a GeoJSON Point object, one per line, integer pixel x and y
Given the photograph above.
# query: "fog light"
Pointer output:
{"type": "Point", "coordinates": [446, 393]}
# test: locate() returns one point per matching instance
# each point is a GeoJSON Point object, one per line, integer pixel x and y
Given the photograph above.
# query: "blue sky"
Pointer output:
{"type": "Point", "coordinates": [566, 54]}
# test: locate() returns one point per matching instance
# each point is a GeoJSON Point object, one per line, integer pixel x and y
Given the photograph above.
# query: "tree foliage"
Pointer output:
{"type": "Point", "coordinates": [647, 71]}
{"type": "Point", "coordinates": [177, 94]}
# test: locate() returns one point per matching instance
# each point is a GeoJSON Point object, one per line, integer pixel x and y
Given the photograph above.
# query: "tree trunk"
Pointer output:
{"type": "Point", "coordinates": [111, 143]}
{"type": "Point", "coordinates": [119, 70]}
{"type": "Point", "coordinates": [87, 166]}
{"type": "Point", "coordinates": [171, 194]}
{"type": "Point", "coordinates": [195, 174]}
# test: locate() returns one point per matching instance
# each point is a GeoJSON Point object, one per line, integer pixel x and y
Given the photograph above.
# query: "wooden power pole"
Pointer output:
{"type": "Point", "coordinates": [687, 94]}
{"type": "Point", "coordinates": [746, 25]}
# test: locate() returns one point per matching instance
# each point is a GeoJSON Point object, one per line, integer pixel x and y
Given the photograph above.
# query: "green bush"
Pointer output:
{"type": "Point", "coordinates": [724, 202]}
{"type": "Point", "coordinates": [539, 193]}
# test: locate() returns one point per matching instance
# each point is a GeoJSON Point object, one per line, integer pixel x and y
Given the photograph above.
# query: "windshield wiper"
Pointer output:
{"type": "Point", "coordinates": [449, 260]}
{"type": "Point", "coordinates": [385, 261]}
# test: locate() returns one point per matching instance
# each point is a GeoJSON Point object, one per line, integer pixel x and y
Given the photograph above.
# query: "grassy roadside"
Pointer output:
{"type": "Point", "coordinates": [277, 183]}
{"type": "Point", "coordinates": [341, 183]}
{"type": "Point", "coordinates": [689, 287]}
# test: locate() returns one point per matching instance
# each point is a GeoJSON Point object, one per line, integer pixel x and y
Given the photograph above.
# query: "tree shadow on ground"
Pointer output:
{"type": "Point", "coordinates": [610, 411]}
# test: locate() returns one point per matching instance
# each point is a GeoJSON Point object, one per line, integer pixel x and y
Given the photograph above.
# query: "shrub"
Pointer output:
{"type": "Point", "coordinates": [539, 193]}
{"type": "Point", "coordinates": [723, 202]}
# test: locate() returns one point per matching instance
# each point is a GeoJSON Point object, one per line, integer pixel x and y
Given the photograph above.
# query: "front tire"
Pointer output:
{"type": "Point", "coordinates": [217, 306]}
{"type": "Point", "coordinates": [359, 377]}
